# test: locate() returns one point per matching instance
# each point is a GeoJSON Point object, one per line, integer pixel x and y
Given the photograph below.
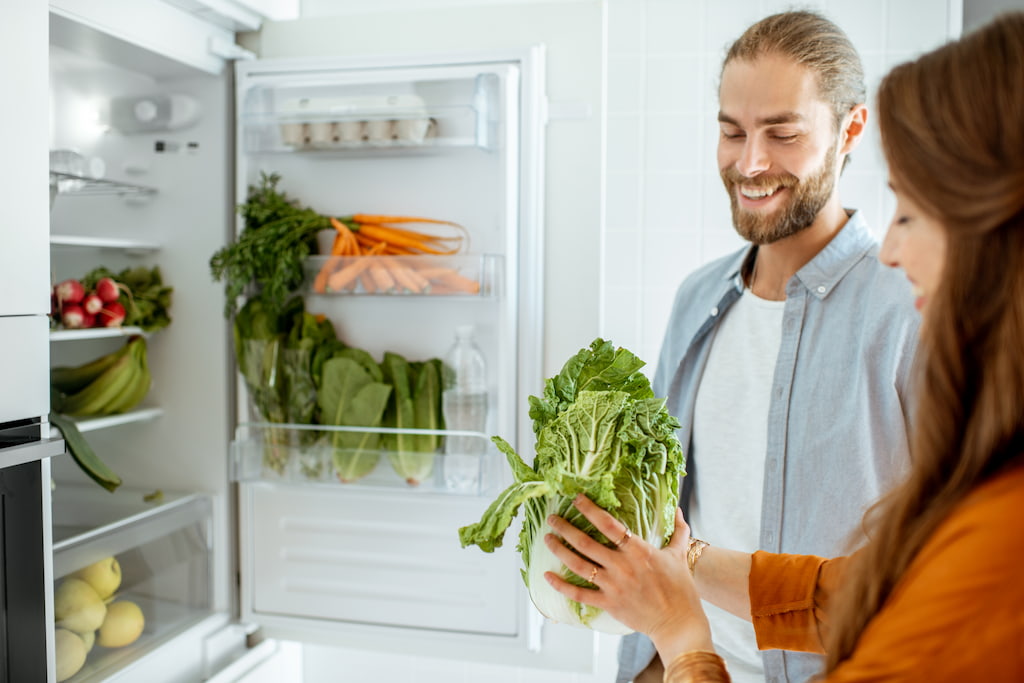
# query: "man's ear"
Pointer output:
{"type": "Point", "coordinates": [854, 125]}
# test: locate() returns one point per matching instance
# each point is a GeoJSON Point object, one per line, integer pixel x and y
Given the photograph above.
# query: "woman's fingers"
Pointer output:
{"type": "Point", "coordinates": [587, 596]}
{"type": "Point", "coordinates": [604, 521]}
{"type": "Point", "coordinates": [582, 566]}
{"type": "Point", "coordinates": [579, 540]}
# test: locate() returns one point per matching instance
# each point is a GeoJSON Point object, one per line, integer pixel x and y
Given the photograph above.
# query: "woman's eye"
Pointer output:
{"type": "Point", "coordinates": [902, 220]}
{"type": "Point", "coordinates": [731, 135]}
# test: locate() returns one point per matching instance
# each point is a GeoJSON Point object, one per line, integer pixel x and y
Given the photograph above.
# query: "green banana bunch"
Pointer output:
{"type": "Point", "coordinates": [111, 384]}
{"type": "Point", "coordinates": [69, 380]}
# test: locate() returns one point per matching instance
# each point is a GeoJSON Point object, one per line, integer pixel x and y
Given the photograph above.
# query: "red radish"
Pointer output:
{"type": "Point", "coordinates": [74, 318]}
{"type": "Point", "coordinates": [69, 292]}
{"type": "Point", "coordinates": [111, 315]}
{"type": "Point", "coordinates": [108, 290]}
{"type": "Point", "coordinates": [92, 304]}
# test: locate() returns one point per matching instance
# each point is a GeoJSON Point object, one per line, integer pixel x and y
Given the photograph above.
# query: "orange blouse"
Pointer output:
{"type": "Point", "coordinates": [956, 615]}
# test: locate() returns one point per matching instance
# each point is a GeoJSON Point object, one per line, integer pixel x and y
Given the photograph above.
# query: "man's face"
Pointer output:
{"type": "Point", "coordinates": [776, 148]}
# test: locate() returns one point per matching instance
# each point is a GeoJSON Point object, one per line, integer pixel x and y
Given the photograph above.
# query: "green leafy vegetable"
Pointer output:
{"type": "Point", "coordinates": [353, 395]}
{"type": "Point", "coordinates": [275, 354]}
{"type": "Point", "coordinates": [416, 404]}
{"type": "Point", "coordinates": [600, 431]}
{"type": "Point", "coordinates": [147, 302]}
{"type": "Point", "coordinates": [83, 454]}
{"type": "Point", "coordinates": [266, 261]}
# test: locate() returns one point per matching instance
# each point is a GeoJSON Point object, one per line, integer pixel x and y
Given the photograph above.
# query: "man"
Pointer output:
{"type": "Point", "coordinates": [786, 363]}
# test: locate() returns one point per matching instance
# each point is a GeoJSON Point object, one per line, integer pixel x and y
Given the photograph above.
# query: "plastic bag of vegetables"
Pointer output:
{"type": "Point", "coordinates": [600, 431]}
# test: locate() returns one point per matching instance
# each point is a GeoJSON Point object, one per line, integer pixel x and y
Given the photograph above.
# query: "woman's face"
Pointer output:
{"type": "Point", "coordinates": [916, 243]}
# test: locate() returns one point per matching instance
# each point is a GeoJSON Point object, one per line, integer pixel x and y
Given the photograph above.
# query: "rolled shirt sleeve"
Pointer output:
{"type": "Point", "coordinates": [788, 599]}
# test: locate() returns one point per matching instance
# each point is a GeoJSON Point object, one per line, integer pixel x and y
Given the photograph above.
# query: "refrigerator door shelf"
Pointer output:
{"type": "Point", "coordinates": [305, 456]}
{"type": "Point", "coordinates": [130, 547]}
{"type": "Point", "coordinates": [425, 111]}
{"type": "Point", "coordinates": [460, 275]}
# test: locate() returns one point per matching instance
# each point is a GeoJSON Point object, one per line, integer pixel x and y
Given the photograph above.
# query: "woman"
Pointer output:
{"type": "Point", "coordinates": [938, 592]}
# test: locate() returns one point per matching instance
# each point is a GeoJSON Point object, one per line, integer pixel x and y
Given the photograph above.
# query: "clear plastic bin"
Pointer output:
{"type": "Point", "coordinates": [315, 454]}
{"type": "Point", "coordinates": [131, 570]}
{"type": "Point", "coordinates": [456, 275]}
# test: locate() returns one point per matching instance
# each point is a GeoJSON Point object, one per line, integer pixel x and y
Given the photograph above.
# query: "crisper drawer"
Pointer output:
{"type": "Point", "coordinates": [372, 557]}
{"type": "Point", "coordinates": [129, 574]}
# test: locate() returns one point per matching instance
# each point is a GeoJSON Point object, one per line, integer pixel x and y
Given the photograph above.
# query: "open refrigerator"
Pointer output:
{"type": "Point", "coordinates": [223, 554]}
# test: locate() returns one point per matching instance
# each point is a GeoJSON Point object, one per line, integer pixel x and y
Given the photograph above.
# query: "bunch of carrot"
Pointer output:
{"type": "Point", "coordinates": [385, 240]}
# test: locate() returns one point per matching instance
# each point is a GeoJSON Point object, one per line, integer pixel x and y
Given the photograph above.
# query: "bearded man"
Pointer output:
{"type": "Point", "coordinates": [787, 363]}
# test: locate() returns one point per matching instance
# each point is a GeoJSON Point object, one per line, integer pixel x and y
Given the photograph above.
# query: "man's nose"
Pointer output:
{"type": "Point", "coordinates": [753, 158]}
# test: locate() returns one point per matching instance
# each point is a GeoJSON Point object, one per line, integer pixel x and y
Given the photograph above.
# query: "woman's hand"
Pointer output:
{"type": "Point", "coordinates": [646, 588]}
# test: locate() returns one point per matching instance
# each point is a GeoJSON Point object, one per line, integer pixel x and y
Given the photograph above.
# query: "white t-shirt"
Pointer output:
{"type": "Point", "coordinates": [726, 506]}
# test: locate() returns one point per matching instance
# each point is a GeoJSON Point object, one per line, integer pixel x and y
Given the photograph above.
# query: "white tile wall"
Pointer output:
{"type": "Point", "coordinates": [665, 210]}
{"type": "Point", "coordinates": [662, 186]}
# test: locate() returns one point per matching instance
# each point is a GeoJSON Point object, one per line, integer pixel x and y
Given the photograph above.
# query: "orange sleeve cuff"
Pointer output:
{"type": "Point", "coordinates": [782, 606]}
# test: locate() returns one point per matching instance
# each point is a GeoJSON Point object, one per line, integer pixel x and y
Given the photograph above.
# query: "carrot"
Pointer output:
{"type": "Point", "coordinates": [382, 278]}
{"type": "Point", "coordinates": [402, 276]}
{"type": "Point", "coordinates": [366, 279]}
{"type": "Point", "coordinates": [378, 219]}
{"type": "Point", "coordinates": [421, 282]}
{"type": "Point", "coordinates": [459, 282]}
{"type": "Point", "coordinates": [347, 275]}
{"type": "Point", "coordinates": [382, 234]}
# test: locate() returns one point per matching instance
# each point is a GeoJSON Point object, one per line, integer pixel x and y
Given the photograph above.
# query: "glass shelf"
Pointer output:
{"type": "Point", "coordinates": [129, 246]}
{"type": "Point", "coordinates": [96, 333]}
{"type": "Point", "coordinates": [71, 184]}
{"type": "Point", "coordinates": [92, 424]}
{"type": "Point", "coordinates": [306, 455]}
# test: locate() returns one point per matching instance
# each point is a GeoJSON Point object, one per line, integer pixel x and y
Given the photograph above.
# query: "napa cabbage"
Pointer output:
{"type": "Point", "coordinates": [599, 431]}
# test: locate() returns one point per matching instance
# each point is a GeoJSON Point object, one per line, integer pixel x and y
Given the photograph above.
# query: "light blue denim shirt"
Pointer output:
{"type": "Point", "coordinates": [837, 422]}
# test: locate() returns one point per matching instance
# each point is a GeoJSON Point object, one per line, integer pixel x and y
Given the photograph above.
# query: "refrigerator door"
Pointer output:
{"type": "Point", "coordinates": [458, 138]}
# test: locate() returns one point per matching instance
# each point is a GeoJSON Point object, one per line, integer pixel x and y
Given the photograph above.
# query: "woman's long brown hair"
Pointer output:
{"type": "Point", "coordinates": [952, 125]}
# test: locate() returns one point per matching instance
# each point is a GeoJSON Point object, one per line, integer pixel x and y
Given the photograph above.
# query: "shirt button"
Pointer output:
{"type": "Point", "coordinates": [769, 538]}
{"type": "Point", "coordinates": [821, 289]}
{"type": "Point", "coordinates": [714, 311]}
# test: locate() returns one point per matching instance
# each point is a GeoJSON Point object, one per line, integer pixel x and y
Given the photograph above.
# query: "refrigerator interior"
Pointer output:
{"type": "Point", "coordinates": [379, 560]}
{"type": "Point", "coordinates": [268, 548]}
{"type": "Point", "coordinates": [157, 199]}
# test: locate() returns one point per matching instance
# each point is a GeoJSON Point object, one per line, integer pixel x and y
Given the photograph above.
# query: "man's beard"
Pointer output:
{"type": "Point", "coordinates": [807, 199]}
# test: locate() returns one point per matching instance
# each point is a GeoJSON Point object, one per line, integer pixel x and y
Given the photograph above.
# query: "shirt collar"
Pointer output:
{"type": "Point", "coordinates": [822, 273]}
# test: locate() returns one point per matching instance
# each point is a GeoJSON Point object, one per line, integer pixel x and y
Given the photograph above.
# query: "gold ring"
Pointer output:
{"type": "Point", "coordinates": [625, 537]}
{"type": "Point", "coordinates": [593, 574]}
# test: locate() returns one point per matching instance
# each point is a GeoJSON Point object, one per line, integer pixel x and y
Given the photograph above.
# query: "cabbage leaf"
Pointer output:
{"type": "Point", "coordinates": [600, 431]}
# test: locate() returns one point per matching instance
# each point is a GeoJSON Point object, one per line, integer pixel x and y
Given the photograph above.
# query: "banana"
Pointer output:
{"type": "Point", "coordinates": [105, 389]}
{"type": "Point", "coordinates": [69, 380]}
{"type": "Point", "coordinates": [139, 387]}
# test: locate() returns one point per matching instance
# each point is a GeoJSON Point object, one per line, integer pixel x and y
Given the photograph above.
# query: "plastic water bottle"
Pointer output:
{"type": "Point", "coordinates": [464, 402]}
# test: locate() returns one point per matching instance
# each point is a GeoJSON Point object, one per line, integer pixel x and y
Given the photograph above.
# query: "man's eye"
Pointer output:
{"type": "Point", "coordinates": [731, 136]}
{"type": "Point", "coordinates": [784, 138]}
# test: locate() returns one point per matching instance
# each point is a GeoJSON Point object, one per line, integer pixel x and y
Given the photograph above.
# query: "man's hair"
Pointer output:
{"type": "Point", "coordinates": [814, 42]}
